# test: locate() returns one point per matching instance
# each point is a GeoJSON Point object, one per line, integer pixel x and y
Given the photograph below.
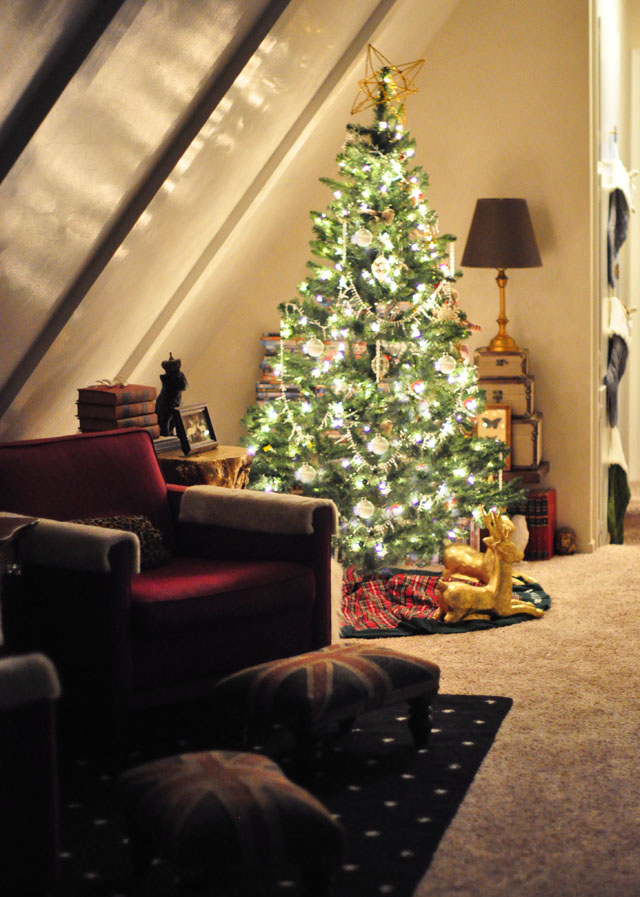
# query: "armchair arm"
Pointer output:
{"type": "Point", "coordinates": [266, 512]}
{"type": "Point", "coordinates": [76, 546]}
{"type": "Point", "coordinates": [26, 679]}
{"type": "Point", "coordinates": [243, 524]}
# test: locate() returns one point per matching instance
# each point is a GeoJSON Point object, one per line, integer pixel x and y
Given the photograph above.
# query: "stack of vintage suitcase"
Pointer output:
{"type": "Point", "coordinates": [505, 377]}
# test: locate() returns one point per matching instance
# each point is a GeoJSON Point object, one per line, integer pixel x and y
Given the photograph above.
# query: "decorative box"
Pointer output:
{"type": "Point", "coordinates": [501, 364]}
{"type": "Point", "coordinates": [526, 440]}
{"type": "Point", "coordinates": [516, 392]}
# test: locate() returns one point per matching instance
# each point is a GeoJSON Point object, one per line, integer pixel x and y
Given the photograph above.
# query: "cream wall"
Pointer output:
{"type": "Point", "coordinates": [507, 114]}
{"type": "Point", "coordinates": [502, 110]}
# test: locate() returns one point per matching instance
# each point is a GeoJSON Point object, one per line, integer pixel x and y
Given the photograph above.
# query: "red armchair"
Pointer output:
{"type": "Point", "coordinates": [247, 580]}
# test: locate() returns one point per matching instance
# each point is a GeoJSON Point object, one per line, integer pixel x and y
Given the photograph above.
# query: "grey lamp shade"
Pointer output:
{"type": "Point", "coordinates": [501, 236]}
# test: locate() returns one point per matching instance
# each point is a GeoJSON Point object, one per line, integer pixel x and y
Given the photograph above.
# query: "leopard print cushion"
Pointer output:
{"type": "Point", "coordinates": [153, 551]}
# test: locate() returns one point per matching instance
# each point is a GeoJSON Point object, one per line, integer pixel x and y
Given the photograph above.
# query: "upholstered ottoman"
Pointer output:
{"type": "Point", "coordinates": [313, 693]}
{"type": "Point", "coordinates": [221, 816]}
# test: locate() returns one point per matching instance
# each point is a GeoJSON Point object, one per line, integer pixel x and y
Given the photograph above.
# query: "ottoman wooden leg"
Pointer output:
{"type": "Point", "coordinates": [316, 882]}
{"type": "Point", "coordinates": [141, 857]}
{"type": "Point", "coordinates": [420, 719]}
{"type": "Point", "coordinates": [346, 725]}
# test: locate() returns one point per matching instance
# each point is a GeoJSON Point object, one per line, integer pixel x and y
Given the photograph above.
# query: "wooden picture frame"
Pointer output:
{"type": "Point", "coordinates": [194, 428]}
{"type": "Point", "coordinates": [495, 423]}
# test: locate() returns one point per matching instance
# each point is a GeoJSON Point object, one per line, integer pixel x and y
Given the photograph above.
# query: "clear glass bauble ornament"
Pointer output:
{"type": "Point", "coordinates": [306, 473]}
{"type": "Point", "coordinates": [379, 445]}
{"type": "Point", "coordinates": [365, 509]}
{"type": "Point", "coordinates": [315, 347]}
{"type": "Point", "coordinates": [363, 237]}
{"type": "Point", "coordinates": [447, 364]}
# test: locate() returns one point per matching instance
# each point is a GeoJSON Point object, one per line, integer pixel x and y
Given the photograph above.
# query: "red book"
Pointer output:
{"type": "Point", "coordinates": [114, 412]}
{"type": "Point", "coordinates": [529, 552]}
{"type": "Point", "coordinates": [117, 395]}
{"type": "Point", "coordinates": [542, 525]}
{"type": "Point", "coordinates": [88, 425]}
{"type": "Point", "coordinates": [547, 523]}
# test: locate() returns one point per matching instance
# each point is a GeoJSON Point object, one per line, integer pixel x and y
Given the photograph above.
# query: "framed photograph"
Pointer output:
{"type": "Point", "coordinates": [194, 428]}
{"type": "Point", "coordinates": [495, 422]}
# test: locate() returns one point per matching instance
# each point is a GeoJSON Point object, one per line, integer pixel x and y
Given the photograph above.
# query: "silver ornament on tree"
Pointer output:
{"type": "Point", "coordinates": [315, 347]}
{"type": "Point", "coordinates": [365, 509]}
{"type": "Point", "coordinates": [379, 445]}
{"type": "Point", "coordinates": [447, 364]}
{"type": "Point", "coordinates": [306, 473]}
{"type": "Point", "coordinates": [380, 363]}
{"type": "Point", "coordinates": [380, 267]}
{"type": "Point", "coordinates": [363, 237]}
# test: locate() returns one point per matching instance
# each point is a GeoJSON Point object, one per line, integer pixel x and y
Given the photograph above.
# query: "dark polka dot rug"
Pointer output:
{"type": "Point", "coordinates": [394, 802]}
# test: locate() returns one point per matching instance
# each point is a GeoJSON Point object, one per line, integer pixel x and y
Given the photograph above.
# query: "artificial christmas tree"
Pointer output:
{"type": "Point", "coordinates": [385, 397]}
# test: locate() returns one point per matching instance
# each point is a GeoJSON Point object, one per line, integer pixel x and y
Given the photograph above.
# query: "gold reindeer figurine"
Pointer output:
{"type": "Point", "coordinates": [460, 600]}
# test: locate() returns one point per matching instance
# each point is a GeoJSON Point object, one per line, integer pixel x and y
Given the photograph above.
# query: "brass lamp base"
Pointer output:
{"type": "Point", "coordinates": [502, 342]}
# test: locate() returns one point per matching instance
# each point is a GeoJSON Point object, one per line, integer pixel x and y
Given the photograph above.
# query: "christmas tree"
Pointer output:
{"type": "Point", "coordinates": [378, 400]}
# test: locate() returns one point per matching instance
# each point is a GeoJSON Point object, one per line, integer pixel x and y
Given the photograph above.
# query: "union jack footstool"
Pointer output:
{"type": "Point", "coordinates": [314, 693]}
{"type": "Point", "coordinates": [221, 818]}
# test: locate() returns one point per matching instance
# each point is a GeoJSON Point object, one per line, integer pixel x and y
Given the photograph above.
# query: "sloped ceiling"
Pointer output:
{"type": "Point", "coordinates": [144, 141]}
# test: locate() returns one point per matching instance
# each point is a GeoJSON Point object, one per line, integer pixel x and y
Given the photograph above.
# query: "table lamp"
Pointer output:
{"type": "Point", "coordinates": [501, 236]}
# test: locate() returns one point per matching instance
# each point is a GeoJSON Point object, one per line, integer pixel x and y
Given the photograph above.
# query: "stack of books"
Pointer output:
{"type": "Point", "coordinates": [117, 407]}
{"type": "Point", "coordinates": [270, 385]}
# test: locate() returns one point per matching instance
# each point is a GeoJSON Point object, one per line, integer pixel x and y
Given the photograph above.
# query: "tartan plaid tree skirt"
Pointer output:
{"type": "Point", "coordinates": [398, 603]}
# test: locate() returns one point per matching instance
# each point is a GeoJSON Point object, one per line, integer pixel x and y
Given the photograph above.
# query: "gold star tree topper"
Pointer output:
{"type": "Point", "coordinates": [385, 82]}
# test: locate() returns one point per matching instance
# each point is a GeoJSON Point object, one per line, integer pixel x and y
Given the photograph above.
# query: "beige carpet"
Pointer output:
{"type": "Point", "coordinates": [554, 809]}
